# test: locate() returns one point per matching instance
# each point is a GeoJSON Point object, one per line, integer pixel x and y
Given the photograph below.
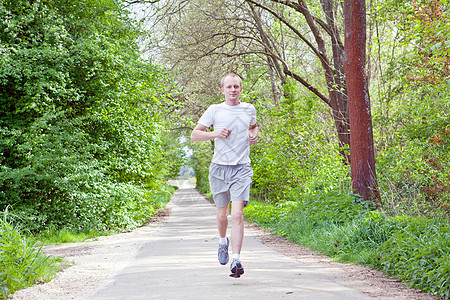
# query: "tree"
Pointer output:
{"type": "Point", "coordinates": [330, 58]}
{"type": "Point", "coordinates": [277, 33]}
{"type": "Point", "coordinates": [362, 164]}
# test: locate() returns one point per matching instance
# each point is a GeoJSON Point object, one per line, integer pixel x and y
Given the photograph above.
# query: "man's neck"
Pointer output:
{"type": "Point", "coordinates": [232, 102]}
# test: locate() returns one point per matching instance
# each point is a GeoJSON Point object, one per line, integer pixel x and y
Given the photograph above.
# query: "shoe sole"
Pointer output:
{"type": "Point", "coordinates": [236, 272]}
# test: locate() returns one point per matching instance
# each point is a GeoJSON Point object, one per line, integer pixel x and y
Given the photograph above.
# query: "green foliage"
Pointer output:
{"type": "Point", "coordinates": [290, 158]}
{"type": "Point", "coordinates": [414, 177]}
{"type": "Point", "coordinates": [322, 208]}
{"type": "Point", "coordinates": [413, 249]}
{"type": "Point", "coordinates": [419, 253]}
{"type": "Point", "coordinates": [174, 155]}
{"type": "Point", "coordinates": [265, 215]}
{"type": "Point", "coordinates": [410, 106]}
{"type": "Point", "coordinates": [200, 160]}
{"type": "Point", "coordinates": [22, 262]}
{"type": "Point", "coordinates": [83, 144]}
{"type": "Point", "coordinates": [53, 236]}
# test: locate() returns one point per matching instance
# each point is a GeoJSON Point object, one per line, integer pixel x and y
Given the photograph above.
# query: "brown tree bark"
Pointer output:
{"type": "Point", "coordinates": [364, 180]}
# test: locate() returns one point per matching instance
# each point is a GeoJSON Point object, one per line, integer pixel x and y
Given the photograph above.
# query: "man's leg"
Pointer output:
{"type": "Point", "coordinates": [237, 237]}
{"type": "Point", "coordinates": [222, 220]}
{"type": "Point", "coordinates": [222, 225]}
{"type": "Point", "coordinates": [237, 230]}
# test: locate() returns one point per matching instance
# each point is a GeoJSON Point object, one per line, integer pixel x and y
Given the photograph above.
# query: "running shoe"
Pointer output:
{"type": "Point", "coordinates": [236, 268]}
{"type": "Point", "coordinates": [223, 253]}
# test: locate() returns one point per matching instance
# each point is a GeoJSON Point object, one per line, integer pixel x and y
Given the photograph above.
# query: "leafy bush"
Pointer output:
{"type": "Point", "coordinates": [200, 160]}
{"type": "Point", "coordinates": [265, 215]}
{"type": "Point", "coordinates": [82, 142]}
{"type": "Point", "coordinates": [323, 208]}
{"type": "Point", "coordinates": [414, 177]}
{"type": "Point", "coordinates": [22, 263]}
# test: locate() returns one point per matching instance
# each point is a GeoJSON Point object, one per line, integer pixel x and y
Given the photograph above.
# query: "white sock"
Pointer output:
{"type": "Point", "coordinates": [222, 240]}
{"type": "Point", "coordinates": [235, 256]}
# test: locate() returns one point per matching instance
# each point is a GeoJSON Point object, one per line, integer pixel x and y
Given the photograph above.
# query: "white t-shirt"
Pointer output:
{"type": "Point", "coordinates": [236, 148]}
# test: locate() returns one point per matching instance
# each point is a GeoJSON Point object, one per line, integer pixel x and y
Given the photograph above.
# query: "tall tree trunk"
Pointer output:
{"type": "Point", "coordinates": [336, 86]}
{"type": "Point", "coordinates": [364, 180]}
{"type": "Point", "coordinates": [341, 117]}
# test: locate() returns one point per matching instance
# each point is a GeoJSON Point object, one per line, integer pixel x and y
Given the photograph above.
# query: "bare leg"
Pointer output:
{"type": "Point", "coordinates": [222, 220]}
{"type": "Point", "coordinates": [237, 230]}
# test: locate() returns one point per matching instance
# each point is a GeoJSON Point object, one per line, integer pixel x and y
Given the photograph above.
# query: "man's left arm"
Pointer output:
{"type": "Point", "coordinates": [253, 131]}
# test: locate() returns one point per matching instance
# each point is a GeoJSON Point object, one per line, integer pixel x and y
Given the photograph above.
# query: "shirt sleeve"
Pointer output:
{"type": "Point", "coordinates": [207, 118]}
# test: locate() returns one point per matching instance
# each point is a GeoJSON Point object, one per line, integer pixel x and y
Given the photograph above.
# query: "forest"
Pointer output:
{"type": "Point", "coordinates": [98, 99]}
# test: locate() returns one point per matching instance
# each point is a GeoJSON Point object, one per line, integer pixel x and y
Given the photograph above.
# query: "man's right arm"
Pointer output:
{"type": "Point", "coordinates": [199, 134]}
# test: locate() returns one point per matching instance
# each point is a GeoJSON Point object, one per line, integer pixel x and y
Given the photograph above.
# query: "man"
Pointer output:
{"type": "Point", "coordinates": [230, 171]}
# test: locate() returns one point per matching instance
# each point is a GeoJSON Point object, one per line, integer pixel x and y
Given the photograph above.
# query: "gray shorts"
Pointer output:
{"type": "Point", "coordinates": [230, 183]}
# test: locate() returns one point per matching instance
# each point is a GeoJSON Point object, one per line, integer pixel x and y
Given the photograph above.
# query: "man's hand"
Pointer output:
{"type": "Point", "coordinates": [222, 133]}
{"type": "Point", "coordinates": [199, 134]}
{"type": "Point", "coordinates": [253, 139]}
{"type": "Point", "coordinates": [253, 134]}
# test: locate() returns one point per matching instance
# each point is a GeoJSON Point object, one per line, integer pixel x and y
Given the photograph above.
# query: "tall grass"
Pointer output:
{"type": "Point", "coordinates": [22, 262]}
{"type": "Point", "coordinates": [413, 249]}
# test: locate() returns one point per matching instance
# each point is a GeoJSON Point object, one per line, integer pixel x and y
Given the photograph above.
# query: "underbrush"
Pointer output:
{"type": "Point", "coordinates": [104, 208]}
{"type": "Point", "coordinates": [53, 236]}
{"type": "Point", "coordinates": [138, 217]}
{"type": "Point", "coordinates": [22, 263]}
{"type": "Point", "coordinates": [413, 249]}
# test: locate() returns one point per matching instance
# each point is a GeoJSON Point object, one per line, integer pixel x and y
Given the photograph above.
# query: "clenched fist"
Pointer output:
{"type": "Point", "coordinates": [223, 133]}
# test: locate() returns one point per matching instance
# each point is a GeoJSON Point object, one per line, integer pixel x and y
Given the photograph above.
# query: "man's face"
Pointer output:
{"type": "Point", "coordinates": [231, 90]}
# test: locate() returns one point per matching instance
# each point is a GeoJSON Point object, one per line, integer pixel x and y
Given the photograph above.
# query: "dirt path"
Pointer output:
{"type": "Point", "coordinates": [172, 258]}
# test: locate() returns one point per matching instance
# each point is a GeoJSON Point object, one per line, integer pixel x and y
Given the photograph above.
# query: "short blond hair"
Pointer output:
{"type": "Point", "coordinates": [230, 75]}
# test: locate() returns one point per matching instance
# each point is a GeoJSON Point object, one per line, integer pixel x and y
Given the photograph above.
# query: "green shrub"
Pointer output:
{"type": "Point", "coordinates": [413, 176]}
{"type": "Point", "coordinates": [82, 121]}
{"type": "Point", "coordinates": [200, 160]}
{"type": "Point", "coordinates": [265, 215]}
{"type": "Point", "coordinates": [356, 241]}
{"type": "Point", "coordinates": [331, 206]}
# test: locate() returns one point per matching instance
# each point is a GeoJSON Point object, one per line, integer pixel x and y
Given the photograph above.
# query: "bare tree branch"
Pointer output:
{"type": "Point", "coordinates": [286, 70]}
{"type": "Point", "coordinates": [141, 1]}
{"type": "Point", "coordinates": [285, 22]}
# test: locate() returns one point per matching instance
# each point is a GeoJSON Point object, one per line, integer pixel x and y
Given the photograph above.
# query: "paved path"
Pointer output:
{"type": "Point", "coordinates": [180, 262]}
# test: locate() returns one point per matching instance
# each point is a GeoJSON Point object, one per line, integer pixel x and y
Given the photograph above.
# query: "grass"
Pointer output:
{"type": "Point", "coordinates": [65, 235]}
{"type": "Point", "coordinates": [415, 250]}
{"type": "Point", "coordinates": [22, 262]}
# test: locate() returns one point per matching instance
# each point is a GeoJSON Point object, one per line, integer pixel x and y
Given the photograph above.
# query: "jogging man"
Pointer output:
{"type": "Point", "coordinates": [230, 172]}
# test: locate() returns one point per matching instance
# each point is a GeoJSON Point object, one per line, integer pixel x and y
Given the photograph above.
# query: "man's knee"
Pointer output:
{"type": "Point", "coordinates": [222, 212]}
{"type": "Point", "coordinates": [237, 215]}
